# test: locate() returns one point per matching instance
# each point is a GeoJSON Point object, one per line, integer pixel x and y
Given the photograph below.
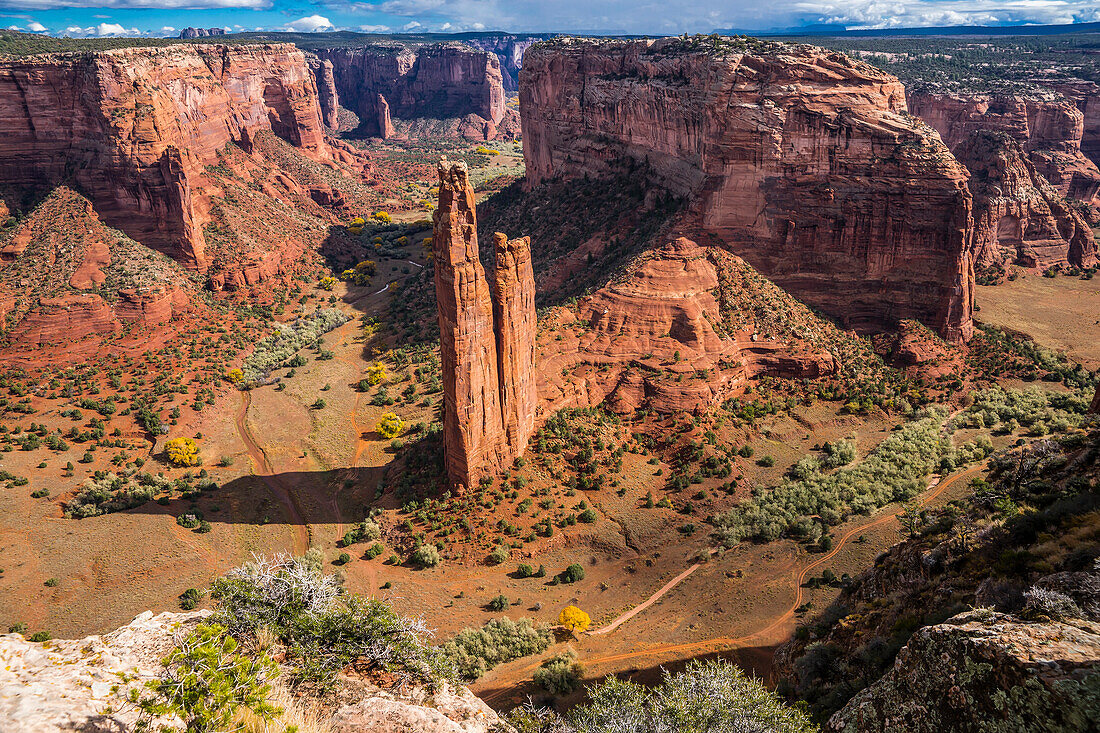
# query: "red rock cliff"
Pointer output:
{"type": "Point", "coordinates": [1018, 216]}
{"type": "Point", "coordinates": [802, 161]}
{"type": "Point", "coordinates": [135, 126]}
{"type": "Point", "coordinates": [486, 338]}
{"type": "Point", "coordinates": [1050, 130]}
{"type": "Point", "coordinates": [436, 81]}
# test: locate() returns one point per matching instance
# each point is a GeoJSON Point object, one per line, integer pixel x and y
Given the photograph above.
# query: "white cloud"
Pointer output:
{"type": "Point", "coordinates": [310, 24]}
{"type": "Point", "coordinates": [36, 27]}
{"type": "Point", "coordinates": [412, 26]}
{"type": "Point", "coordinates": [374, 28]}
{"type": "Point", "coordinates": [103, 30]}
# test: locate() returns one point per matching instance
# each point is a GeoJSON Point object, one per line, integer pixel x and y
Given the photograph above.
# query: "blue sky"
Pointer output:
{"type": "Point", "coordinates": [166, 17]}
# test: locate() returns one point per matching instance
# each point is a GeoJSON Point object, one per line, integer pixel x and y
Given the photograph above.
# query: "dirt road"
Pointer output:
{"type": "Point", "coordinates": [262, 467]}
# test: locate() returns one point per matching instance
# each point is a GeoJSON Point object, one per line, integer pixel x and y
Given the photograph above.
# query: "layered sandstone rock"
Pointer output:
{"type": "Point", "coordinates": [486, 338]}
{"type": "Point", "coordinates": [516, 326]}
{"type": "Point", "coordinates": [327, 96]}
{"type": "Point", "coordinates": [801, 161]}
{"type": "Point", "coordinates": [985, 671]}
{"type": "Point", "coordinates": [1018, 216]}
{"type": "Point", "coordinates": [509, 51]}
{"type": "Point", "coordinates": [1050, 130]}
{"type": "Point", "coordinates": [383, 82]}
{"type": "Point", "coordinates": [134, 127]}
{"type": "Point", "coordinates": [656, 338]}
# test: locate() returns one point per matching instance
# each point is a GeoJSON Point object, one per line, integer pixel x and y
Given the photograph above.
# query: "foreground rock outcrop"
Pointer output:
{"type": "Point", "coordinates": [487, 337]}
{"type": "Point", "coordinates": [1049, 129]}
{"type": "Point", "coordinates": [68, 684]}
{"type": "Point", "coordinates": [390, 86]}
{"type": "Point", "coordinates": [134, 127]}
{"type": "Point", "coordinates": [1018, 216]}
{"type": "Point", "coordinates": [799, 160]}
{"type": "Point", "coordinates": [984, 671]}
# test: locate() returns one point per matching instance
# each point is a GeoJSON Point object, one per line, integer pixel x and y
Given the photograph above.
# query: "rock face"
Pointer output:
{"type": "Point", "coordinates": [663, 315]}
{"type": "Point", "coordinates": [1050, 131]}
{"type": "Point", "coordinates": [1095, 406]}
{"type": "Point", "coordinates": [327, 96]}
{"type": "Point", "coordinates": [435, 81]}
{"type": "Point", "coordinates": [65, 685]}
{"type": "Point", "coordinates": [487, 336]}
{"type": "Point", "coordinates": [983, 671]}
{"type": "Point", "coordinates": [800, 160]}
{"type": "Point", "coordinates": [509, 52]}
{"type": "Point", "coordinates": [134, 127]}
{"type": "Point", "coordinates": [201, 32]}
{"type": "Point", "coordinates": [1018, 216]}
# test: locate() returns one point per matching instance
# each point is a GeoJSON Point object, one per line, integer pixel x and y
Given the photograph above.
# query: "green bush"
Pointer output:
{"type": "Point", "coordinates": [499, 603]}
{"type": "Point", "coordinates": [278, 349]}
{"type": "Point", "coordinates": [572, 574]}
{"type": "Point", "coordinates": [499, 555]}
{"type": "Point", "coordinates": [561, 674]}
{"type": "Point", "coordinates": [323, 629]}
{"type": "Point", "coordinates": [473, 652]}
{"type": "Point", "coordinates": [426, 556]}
{"type": "Point", "coordinates": [206, 683]}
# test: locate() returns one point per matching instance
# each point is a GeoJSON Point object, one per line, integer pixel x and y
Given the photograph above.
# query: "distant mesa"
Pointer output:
{"type": "Point", "coordinates": [201, 32]}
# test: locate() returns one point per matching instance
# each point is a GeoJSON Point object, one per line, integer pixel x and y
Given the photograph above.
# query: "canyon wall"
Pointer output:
{"type": "Point", "coordinates": [1050, 130]}
{"type": "Point", "coordinates": [487, 338]}
{"type": "Point", "coordinates": [800, 160]}
{"type": "Point", "coordinates": [438, 81]}
{"type": "Point", "coordinates": [509, 52]}
{"type": "Point", "coordinates": [134, 127]}
{"type": "Point", "coordinates": [1018, 217]}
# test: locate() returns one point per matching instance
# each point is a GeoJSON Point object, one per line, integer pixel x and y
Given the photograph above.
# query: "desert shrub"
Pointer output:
{"type": "Point", "coordinates": [105, 493]}
{"type": "Point", "coordinates": [560, 674]}
{"type": "Point", "coordinates": [1004, 410]}
{"type": "Point", "coordinates": [279, 348]}
{"type": "Point", "coordinates": [366, 531]}
{"type": "Point", "coordinates": [499, 555]}
{"type": "Point", "coordinates": [426, 556]}
{"type": "Point", "coordinates": [523, 570]}
{"type": "Point", "coordinates": [587, 516]}
{"type": "Point", "coordinates": [205, 682]}
{"type": "Point", "coordinates": [840, 453]}
{"type": "Point", "coordinates": [390, 425]}
{"type": "Point", "coordinates": [499, 603]}
{"type": "Point", "coordinates": [707, 697]}
{"type": "Point", "coordinates": [182, 452]}
{"type": "Point", "coordinates": [376, 374]}
{"type": "Point", "coordinates": [894, 471]}
{"type": "Point", "coordinates": [572, 574]}
{"type": "Point", "coordinates": [189, 599]}
{"type": "Point", "coordinates": [1044, 603]}
{"type": "Point", "coordinates": [473, 652]}
{"type": "Point", "coordinates": [323, 629]}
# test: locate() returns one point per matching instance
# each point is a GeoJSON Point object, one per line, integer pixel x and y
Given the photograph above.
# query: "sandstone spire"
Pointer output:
{"type": "Point", "coordinates": [486, 338]}
{"type": "Point", "coordinates": [514, 313]}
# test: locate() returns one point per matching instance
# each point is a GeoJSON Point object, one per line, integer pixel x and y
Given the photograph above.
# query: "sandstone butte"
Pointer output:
{"type": "Point", "coordinates": [802, 161]}
{"type": "Point", "coordinates": [487, 338]}
{"type": "Point", "coordinates": [1018, 216]}
{"type": "Point", "coordinates": [664, 314]}
{"type": "Point", "coordinates": [1049, 128]}
{"type": "Point", "coordinates": [139, 124]}
{"type": "Point", "coordinates": [385, 84]}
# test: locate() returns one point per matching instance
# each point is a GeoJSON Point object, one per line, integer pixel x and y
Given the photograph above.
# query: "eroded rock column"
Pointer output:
{"type": "Point", "coordinates": [487, 338]}
{"type": "Point", "coordinates": [514, 314]}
